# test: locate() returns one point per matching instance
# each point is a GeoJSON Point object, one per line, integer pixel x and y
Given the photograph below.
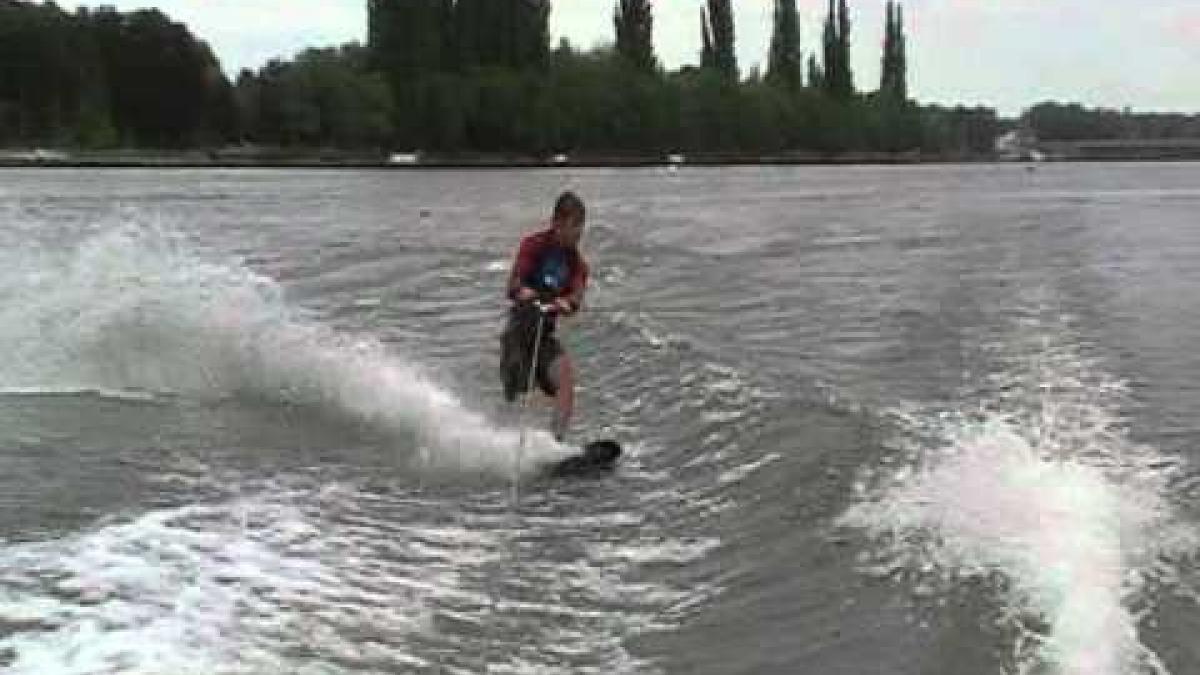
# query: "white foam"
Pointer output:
{"type": "Point", "coordinates": [136, 309]}
{"type": "Point", "coordinates": [1041, 486]}
{"type": "Point", "coordinates": [1061, 532]}
{"type": "Point", "coordinates": [185, 590]}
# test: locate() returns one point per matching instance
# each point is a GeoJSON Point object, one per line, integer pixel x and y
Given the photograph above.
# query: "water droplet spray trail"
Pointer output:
{"type": "Point", "coordinates": [1039, 483]}
{"type": "Point", "coordinates": [136, 309]}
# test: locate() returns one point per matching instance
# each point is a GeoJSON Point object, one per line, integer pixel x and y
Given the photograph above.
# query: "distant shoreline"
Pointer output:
{"type": "Point", "coordinates": [318, 160]}
{"type": "Point", "coordinates": [218, 159]}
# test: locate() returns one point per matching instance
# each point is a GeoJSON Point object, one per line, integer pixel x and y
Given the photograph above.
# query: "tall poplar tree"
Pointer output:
{"type": "Point", "coordinates": [901, 55]}
{"type": "Point", "coordinates": [829, 52]}
{"type": "Point", "coordinates": [708, 57]}
{"type": "Point", "coordinates": [845, 82]}
{"type": "Point", "coordinates": [838, 78]}
{"type": "Point", "coordinates": [531, 39]}
{"type": "Point", "coordinates": [785, 62]}
{"type": "Point", "coordinates": [816, 77]}
{"type": "Point", "coordinates": [634, 22]}
{"type": "Point", "coordinates": [887, 65]}
{"type": "Point", "coordinates": [719, 31]}
{"type": "Point", "coordinates": [900, 123]}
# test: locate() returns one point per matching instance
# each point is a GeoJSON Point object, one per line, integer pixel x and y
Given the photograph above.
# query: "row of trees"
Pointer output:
{"type": "Point", "coordinates": [454, 91]}
{"type": "Point", "coordinates": [462, 76]}
{"type": "Point", "coordinates": [100, 78]}
{"type": "Point", "coordinates": [323, 97]}
{"type": "Point", "coordinates": [1073, 122]}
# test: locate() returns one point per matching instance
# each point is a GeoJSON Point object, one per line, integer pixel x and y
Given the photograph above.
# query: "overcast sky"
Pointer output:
{"type": "Point", "coordinates": [1003, 53]}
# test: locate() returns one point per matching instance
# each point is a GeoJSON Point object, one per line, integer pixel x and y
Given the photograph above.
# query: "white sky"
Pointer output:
{"type": "Point", "coordinates": [1003, 53]}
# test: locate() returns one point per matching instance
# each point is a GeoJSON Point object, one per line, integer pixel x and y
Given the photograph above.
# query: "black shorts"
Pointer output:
{"type": "Point", "coordinates": [516, 352]}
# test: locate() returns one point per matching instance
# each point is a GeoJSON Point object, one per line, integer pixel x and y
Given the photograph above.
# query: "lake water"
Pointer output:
{"type": "Point", "coordinates": [907, 420]}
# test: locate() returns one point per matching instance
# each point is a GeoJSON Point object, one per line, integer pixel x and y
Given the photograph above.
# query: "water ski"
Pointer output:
{"type": "Point", "coordinates": [595, 458]}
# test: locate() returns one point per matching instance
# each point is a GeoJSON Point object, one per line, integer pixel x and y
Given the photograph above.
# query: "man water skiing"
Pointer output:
{"type": "Point", "coordinates": [548, 279]}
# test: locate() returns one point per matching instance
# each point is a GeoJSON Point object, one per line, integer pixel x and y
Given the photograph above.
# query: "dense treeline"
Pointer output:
{"type": "Point", "coordinates": [1073, 122]}
{"type": "Point", "coordinates": [102, 78]}
{"type": "Point", "coordinates": [465, 76]}
{"type": "Point", "coordinates": [454, 92]}
{"type": "Point", "coordinates": [323, 97]}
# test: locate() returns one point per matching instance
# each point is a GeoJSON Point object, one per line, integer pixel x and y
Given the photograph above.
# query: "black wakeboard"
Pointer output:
{"type": "Point", "coordinates": [594, 459]}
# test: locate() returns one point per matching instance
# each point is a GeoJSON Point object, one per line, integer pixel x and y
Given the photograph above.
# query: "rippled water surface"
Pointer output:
{"type": "Point", "coordinates": [914, 420]}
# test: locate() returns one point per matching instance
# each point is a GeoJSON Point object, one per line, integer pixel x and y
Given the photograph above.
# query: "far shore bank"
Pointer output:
{"type": "Point", "coordinates": [413, 161]}
{"type": "Point", "coordinates": [337, 159]}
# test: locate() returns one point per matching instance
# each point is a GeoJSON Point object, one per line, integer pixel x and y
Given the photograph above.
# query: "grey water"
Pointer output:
{"type": "Point", "coordinates": [906, 420]}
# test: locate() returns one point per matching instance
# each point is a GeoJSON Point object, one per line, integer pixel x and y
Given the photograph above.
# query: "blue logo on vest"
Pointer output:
{"type": "Point", "coordinates": [553, 274]}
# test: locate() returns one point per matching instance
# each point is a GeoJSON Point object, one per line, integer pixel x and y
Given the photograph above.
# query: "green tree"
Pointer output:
{"type": "Point", "coordinates": [708, 104]}
{"type": "Point", "coordinates": [634, 22]}
{"type": "Point", "coordinates": [898, 126]}
{"type": "Point", "coordinates": [325, 97]}
{"type": "Point", "coordinates": [830, 66]}
{"type": "Point", "coordinates": [708, 55]}
{"type": "Point", "coordinates": [502, 33]}
{"type": "Point", "coordinates": [41, 73]}
{"type": "Point", "coordinates": [408, 37]}
{"type": "Point", "coordinates": [786, 61]}
{"type": "Point", "coordinates": [718, 26]}
{"type": "Point", "coordinates": [837, 77]}
{"type": "Point", "coordinates": [531, 42]}
{"type": "Point", "coordinates": [893, 82]}
{"type": "Point", "coordinates": [596, 103]}
{"type": "Point", "coordinates": [845, 83]}
{"type": "Point", "coordinates": [1073, 122]}
{"type": "Point", "coordinates": [816, 76]}
{"type": "Point", "coordinates": [959, 131]}
{"type": "Point", "coordinates": [164, 87]}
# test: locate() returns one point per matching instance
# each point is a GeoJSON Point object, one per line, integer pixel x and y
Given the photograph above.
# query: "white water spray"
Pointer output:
{"type": "Point", "coordinates": [135, 309]}
{"type": "Point", "coordinates": [1044, 488]}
